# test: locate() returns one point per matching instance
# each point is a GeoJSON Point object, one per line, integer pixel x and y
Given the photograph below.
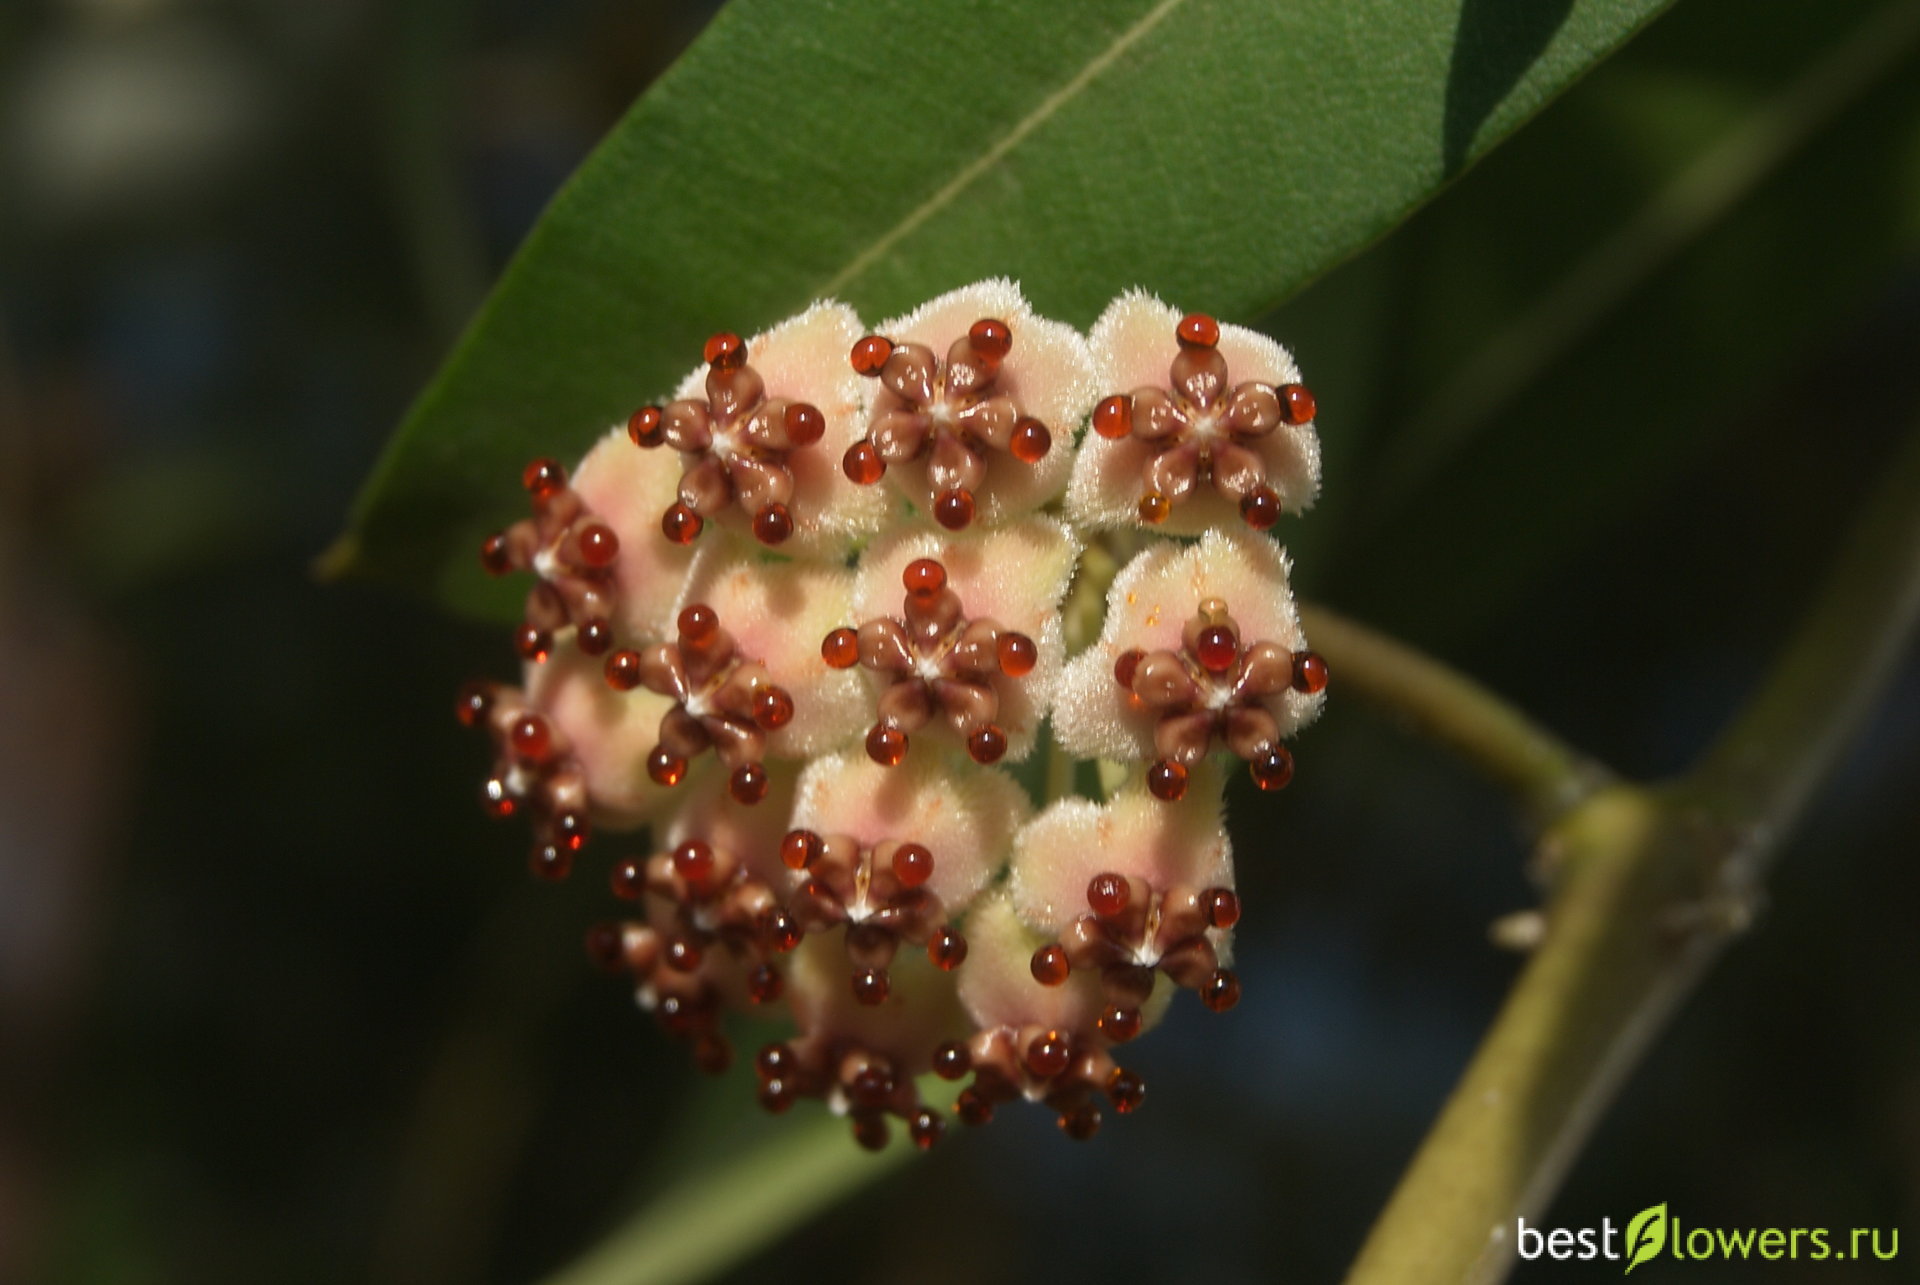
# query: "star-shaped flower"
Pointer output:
{"type": "Point", "coordinates": [1201, 651]}
{"type": "Point", "coordinates": [1041, 1042]}
{"type": "Point", "coordinates": [564, 749]}
{"type": "Point", "coordinates": [897, 855]}
{"type": "Point", "coordinates": [740, 676]}
{"type": "Point", "coordinates": [974, 642]}
{"type": "Point", "coordinates": [973, 406]}
{"type": "Point", "coordinates": [572, 551]}
{"type": "Point", "coordinates": [1204, 426]}
{"type": "Point", "coordinates": [860, 1058]}
{"type": "Point", "coordinates": [710, 937]}
{"type": "Point", "coordinates": [759, 429]}
{"type": "Point", "coordinates": [628, 490]}
{"type": "Point", "coordinates": [1129, 888]}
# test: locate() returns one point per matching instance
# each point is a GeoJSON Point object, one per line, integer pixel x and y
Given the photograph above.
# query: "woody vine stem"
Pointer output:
{"type": "Point", "coordinates": [1645, 885]}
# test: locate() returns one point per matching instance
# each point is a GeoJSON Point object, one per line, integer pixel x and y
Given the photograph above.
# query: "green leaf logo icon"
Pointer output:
{"type": "Point", "coordinates": [1646, 1235]}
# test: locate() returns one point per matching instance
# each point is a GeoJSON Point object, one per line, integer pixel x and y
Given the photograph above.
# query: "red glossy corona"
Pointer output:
{"type": "Point", "coordinates": [954, 509]}
{"type": "Point", "coordinates": [871, 353]}
{"type": "Point", "coordinates": [1050, 965]}
{"type": "Point", "coordinates": [886, 745]}
{"type": "Point", "coordinates": [647, 428]}
{"type": "Point", "coordinates": [862, 464]}
{"type": "Point", "coordinates": [495, 555]}
{"type": "Point", "coordinates": [912, 865]}
{"type": "Point", "coordinates": [1031, 441]}
{"type": "Point", "coordinates": [531, 738]}
{"type": "Point", "coordinates": [800, 849]}
{"type": "Point", "coordinates": [599, 546]}
{"type": "Point", "coordinates": [1222, 906]}
{"type": "Point", "coordinates": [1221, 991]}
{"type": "Point", "coordinates": [1272, 768]}
{"type": "Point", "coordinates": [988, 745]}
{"type": "Point", "coordinates": [623, 670]}
{"type": "Point", "coordinates": [1113, 418]}
{"type": "Point", "coordinates": [544, 479]}
{"type": "Point", "coordinates": [697, 624]}
{"type": "Point", "coordinates": [693, 861]}
{"type": "Point", "coordinates": [1119, 1024]}
{"type": "Point", "coordinates": [666, 768]}
{"type": "Point", "coordinates": [1017, 655]}
{"type": "Point", "coordinates": [725, 350]}
{"type": "Point", "coordinates": [804, 423]}
{"type": "Point", "coordinates": [947, 948]}
{"type": "Point", "coordinates": [772, 708]}
{"type": "Point", "coordinates": [681, 524]}
{"type": "Point", "coordinates": [748, 784]}
{"type": "Point", "coordinates": [952, 1061]}
{"type": "Point", "coordinates": [1047, 1055]}
{"type": "Point", "coordinates": [1296, 403]}
{"type": "Point", "coordinates": [1198, 330]}
{"type": "Point", "coordinates": [870, 985]}
{"type": "Point", "coordinates": [1261, 508]}
{"type": "Point", "coordinates": [924, 578]}
{"type": "Point", "coordinates": [773, 524]}
{"type": "Point", "coordinates": [1216, 649]}
{"type": "Point", "coordinates": [1167, 780]}
{"type": "Point", "coordinates": [594, 637]}
{"type": "Point", "coordinates": [1108, 895]}
{"type": "Point", "coordinates": [990, 338]}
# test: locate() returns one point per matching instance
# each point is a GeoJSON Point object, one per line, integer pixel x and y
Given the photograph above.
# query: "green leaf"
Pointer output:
{"type": "Point", "coordinates": [1221, 153]}
{"type": "Point", "coordinates": [1646, 1235]}
{"type": "Point", "coordinates": [1548, 375]}
{"type": "Point", "coordinates": [717, 1215]}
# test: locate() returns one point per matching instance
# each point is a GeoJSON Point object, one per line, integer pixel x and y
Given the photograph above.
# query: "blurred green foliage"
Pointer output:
{"type": "Point", "coordinates": [302, 1018]}
{"type": "Point", "coordinates": [1218, 153]}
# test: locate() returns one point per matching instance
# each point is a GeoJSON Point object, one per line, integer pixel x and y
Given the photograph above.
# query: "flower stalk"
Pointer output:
{"type": "Point", "coordinates": [1649, 884]}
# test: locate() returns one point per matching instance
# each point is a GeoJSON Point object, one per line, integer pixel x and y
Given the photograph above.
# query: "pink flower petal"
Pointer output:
{"type": "Point", "coordinates": [1133, 344]}
{"type": "Point", "coordinates": [777, 613]}
{"type": "Point", "coordinates": [917, 1016]}
{"type": "Point", "coordinates": [750, 832]}
{"type": "Point", "coordinates": [805, 359]}
{"type": "Point", "coordinates": [609, 733]}
{"type": "Point", "coordinates": [1148, 606]}
{"type": "Point", "coordinates": [1167, 845]}
{"type": "Point", "coordinates": [1016, 576]}
{"type": "Point", "coordinates": [964, 815]}
{"type": "Point", "coordinates": [1048, 371]}
{"type": "Point", "coordinates": [629, 488]}
{"type": "Point", "coordinates": [997, 985]}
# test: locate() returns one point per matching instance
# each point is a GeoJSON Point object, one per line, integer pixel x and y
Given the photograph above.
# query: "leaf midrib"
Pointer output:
{"type": "Point", "coordinates": [969, 173]}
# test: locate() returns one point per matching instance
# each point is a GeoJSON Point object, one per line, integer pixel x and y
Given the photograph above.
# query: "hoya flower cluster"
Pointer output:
{"type": "Point", "coordinates": [800, 636]}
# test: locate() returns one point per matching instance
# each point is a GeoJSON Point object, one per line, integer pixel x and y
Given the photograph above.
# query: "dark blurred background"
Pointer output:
{"type": "Point", "coordinates": [276, 1003]}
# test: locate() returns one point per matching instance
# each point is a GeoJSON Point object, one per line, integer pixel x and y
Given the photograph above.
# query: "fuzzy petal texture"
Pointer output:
{"type": "Point", "coordinates": [996, 983]}
{"type": "Point", "coordinates": [1167, 845]}
{"type": "Point", "coordinates": [751, 833]}
{"type": "Point", "coordinates": [805, 359]}
{"type": "Point", "coordinates": [964, 815]}
{"type": "Point", "coordinates": [778, 612]}
{"type": "Point", "coordinates": [629, 488]}
{"type": "Point", "coordinates": [1049, 372]}
{"type": "Point", "coordinates": [1133, 344]}
{"type": "Point", "coordinates": [918, 1015]}
{"type": "Point", "coordinates": [609, 733]}
{"type": "Point", "coordinates": [1150, 603]}
{"type": "Point", "coordinates": [1016, 576]}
